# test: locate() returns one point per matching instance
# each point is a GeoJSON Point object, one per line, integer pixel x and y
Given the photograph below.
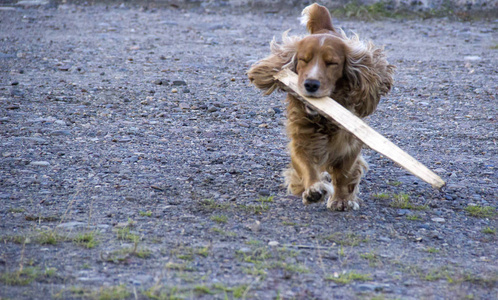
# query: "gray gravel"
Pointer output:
{"type": "Point", "coordinates": [140, 128]}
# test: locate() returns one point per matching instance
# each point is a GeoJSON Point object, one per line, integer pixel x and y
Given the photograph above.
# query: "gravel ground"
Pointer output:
{"type": "Point", "coordinates": [137, 162]}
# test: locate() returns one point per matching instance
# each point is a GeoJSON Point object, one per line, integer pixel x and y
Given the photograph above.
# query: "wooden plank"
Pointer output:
{"type": "Point", "coordinates": [332, 110]}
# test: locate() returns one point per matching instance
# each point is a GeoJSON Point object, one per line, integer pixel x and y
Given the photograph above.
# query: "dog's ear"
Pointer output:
{"type": "Point", "coordinates": [369, 75]}
{"type": "Point", "coordinates": [316, 18]}
{"type": "Point", "coordinates": [283, 56]}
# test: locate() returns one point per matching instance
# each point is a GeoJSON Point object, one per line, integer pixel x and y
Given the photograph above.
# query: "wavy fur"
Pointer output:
{"type": "Point", "coordinates": [316, 144]}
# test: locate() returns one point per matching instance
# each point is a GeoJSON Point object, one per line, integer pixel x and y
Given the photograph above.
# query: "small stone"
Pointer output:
{"type": "Point", "coordinates": [13, 106]}
{"type": "Point", "coordinates": [273, 243]}
{"type": "Point", "coordinates": [179, 82]}
{"type": "Point", "coordinates": [264, 192]}
{"type": "Point", "coordinates": [70, 225]}
{"type": "Point", "coordinates": [40, 163]}
{"type": "Point", "coordinates": [14, 83]}
{"type": "Point", "coordinates": [212, 109]}
{"type": "Point", "coordinates": [245, 250]}
{"type": "Point", "coordinates": [60, 132]}
{"type": "Point", "coordinates": [472, 58]}
{"type": "Point", "coordinates": [439, 220]}
{"type": "Point", "coordinates": [174, 90]}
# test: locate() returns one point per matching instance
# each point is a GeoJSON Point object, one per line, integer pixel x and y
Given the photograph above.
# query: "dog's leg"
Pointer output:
{"type": "Point", "coordinates": [346, 179]}
{"type": "Point", "coordinates": [313, 185]}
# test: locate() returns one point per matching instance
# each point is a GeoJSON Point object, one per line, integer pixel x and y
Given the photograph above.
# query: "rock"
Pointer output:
{"type": "Point", "coordinates": [439, 220]}
{"type": "Point", "coordinates": [273, 243]}
{"type": "Point", "coordinates": [369, 287]}
{"type": "Point", "coordinates": [13, 106]}
{"type": "Point", "coordinates": [212, 109]}
{"type": "Point", "coordinates": [264, 192]}
{"type": "Point", "coordinates": [472, 58]}
{"type": "Point", "coordinates": [71, 225]}
{"type": "Point", "coordinates": [179, 82]}
{"type": "Point", "coordinates": [40, 163]}
{"type": "Point", "coordinates": [245, 250]}
{"type": "Point", "coordinates": [60, 132]}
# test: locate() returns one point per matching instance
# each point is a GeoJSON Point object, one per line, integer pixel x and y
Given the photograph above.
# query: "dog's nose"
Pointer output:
{"type": "Point", "coordinates": [311, 85]}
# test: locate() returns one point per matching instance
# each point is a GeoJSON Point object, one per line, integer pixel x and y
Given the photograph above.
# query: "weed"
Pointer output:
{"type": "Point", "coordinates": [432, 250]}
{"type": "Point", "coordinates": [239, 291]}
{"type": "Point", "coordinates": [253, 242]}
{"type": "Point", "coordinates": [346, 239]}
{"type": "Point", "coordinates": [86, 240]}
{"type": "Point", "coordinates": [481, 211]}
{"type": "Point", "coordinates": [291, 268]}
{"type": "Point", "coordinates": [49, 237]}
{"type": "Point", "coordinates": [223, 232]}
{"type": "Point", "coordinates": [202, 289]}
{"type": "Point", "coordinates": [382, 196]}
{"type": "Point", "coordinates": [112, 293]}
{"type": "Point", "coordinates": [346, 278]}
{"type": "Point", "coordinates": [489, 230]}
{"type": "Point", "coordinates": [265, 199]}
{"type": "Point", "coordinates": [145, 213]}
{"type": "Point", "coordinates": [394, 183]}
{"type": "Point", "coordinates": [163, 293]}
{"type": "Point", "coordinates": [212, 205]}
{"type": "Point", "coordinates": [16, 210]}
{"type": "Point", "coordinates": [125, 234]}
{"type": "Point", "coordinates": [50, 272]}
{"type": "Point", "coordinates": [402, 201]}
{"type": "Point", "coordinates": [23, 276]}
{"type": "Point", "coordinates": [219, 218]}
{"type": "Point", "coordinates": [373, 259]}
{"type": "Point", "coordinates": [17, 239]}
{"type": "Point", "coordinates": [204, 251]}
{"type": "Point", "coordinates": [256, 209]}
{"type": "Point", "coordinates": [414, 218]}
{"type": "Point", "coordinates": [178, 267]}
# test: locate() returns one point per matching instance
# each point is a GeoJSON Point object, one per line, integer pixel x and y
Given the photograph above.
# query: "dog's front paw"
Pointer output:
{"type": "Point", "coordinates": [317, 192]}
{"type": "Point", "coordinates": [352, 202]}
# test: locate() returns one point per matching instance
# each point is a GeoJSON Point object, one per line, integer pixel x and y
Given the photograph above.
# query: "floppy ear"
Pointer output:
{"type": "Point", "coordinates": [283, 56]}
{"type": "Point", "coordinates": [368, 73]}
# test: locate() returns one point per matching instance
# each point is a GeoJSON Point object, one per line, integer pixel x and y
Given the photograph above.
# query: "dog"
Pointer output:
{"type": "Point", "coordinates": [326, 160]}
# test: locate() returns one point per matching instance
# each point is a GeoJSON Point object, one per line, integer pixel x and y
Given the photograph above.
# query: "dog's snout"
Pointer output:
{"type": "Point", "coordinates": [311, 85]}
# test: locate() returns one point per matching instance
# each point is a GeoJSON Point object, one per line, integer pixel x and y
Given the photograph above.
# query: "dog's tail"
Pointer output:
{"type": "Point", "coordinates": [316, 18]}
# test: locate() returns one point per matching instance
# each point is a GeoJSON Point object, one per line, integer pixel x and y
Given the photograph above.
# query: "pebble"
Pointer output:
{"type": "Point", "coordinates": [264, 192]}
{"type": "Point", "coordinates": [212, 109]}
{"type": "Point", "coordinates": [40, 163]}
{"type": "Point", "coordinates": [439, 220]}
{"type": "Point", "coordinates": [70, 225]}
{"type": "Point", "coordinates": [273, 243]}
{"type": "Point", "coordinates": [174, 90]}
{"type": "Point", "coordinates": [179, 82]}
{"type": "Point", "coordinates": [60, 132]}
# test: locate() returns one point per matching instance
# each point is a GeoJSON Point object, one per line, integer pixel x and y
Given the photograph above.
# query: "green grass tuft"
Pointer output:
{"type": "Point", "coordinates": [481, 211]}
{"type": "Point", "coordinates": [346, 278]}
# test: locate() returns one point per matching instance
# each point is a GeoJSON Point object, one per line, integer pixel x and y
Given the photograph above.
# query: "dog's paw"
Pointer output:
{"type": "Point", "coordinates": [352, 202]}
{"type": "Point", "coordinates": [325, 176]}
{"type": "Point", "coordinates": [317, 192]}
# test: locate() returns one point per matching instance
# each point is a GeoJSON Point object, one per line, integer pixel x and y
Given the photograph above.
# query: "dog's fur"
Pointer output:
{"type": "Point", "coordinates": [325, 159]}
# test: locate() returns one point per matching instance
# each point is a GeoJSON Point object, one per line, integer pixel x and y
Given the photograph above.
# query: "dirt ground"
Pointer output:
{"type": "Point", "coordinates": [138, 163]}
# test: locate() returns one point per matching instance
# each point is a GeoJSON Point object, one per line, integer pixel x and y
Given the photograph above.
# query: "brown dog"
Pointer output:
{"type": "Point", "coordinates": [325, 159]}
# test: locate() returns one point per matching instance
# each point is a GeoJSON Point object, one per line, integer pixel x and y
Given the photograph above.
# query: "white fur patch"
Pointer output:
{"type": "Point", "coordinates": [315, 72]}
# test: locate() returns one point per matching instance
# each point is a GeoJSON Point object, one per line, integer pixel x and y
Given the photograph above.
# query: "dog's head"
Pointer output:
{"type": "Point", "coordinates": [319, 63]}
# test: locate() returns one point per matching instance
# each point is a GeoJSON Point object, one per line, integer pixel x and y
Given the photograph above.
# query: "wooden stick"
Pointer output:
{"type": "Point", "coordinates": [332, 110]}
